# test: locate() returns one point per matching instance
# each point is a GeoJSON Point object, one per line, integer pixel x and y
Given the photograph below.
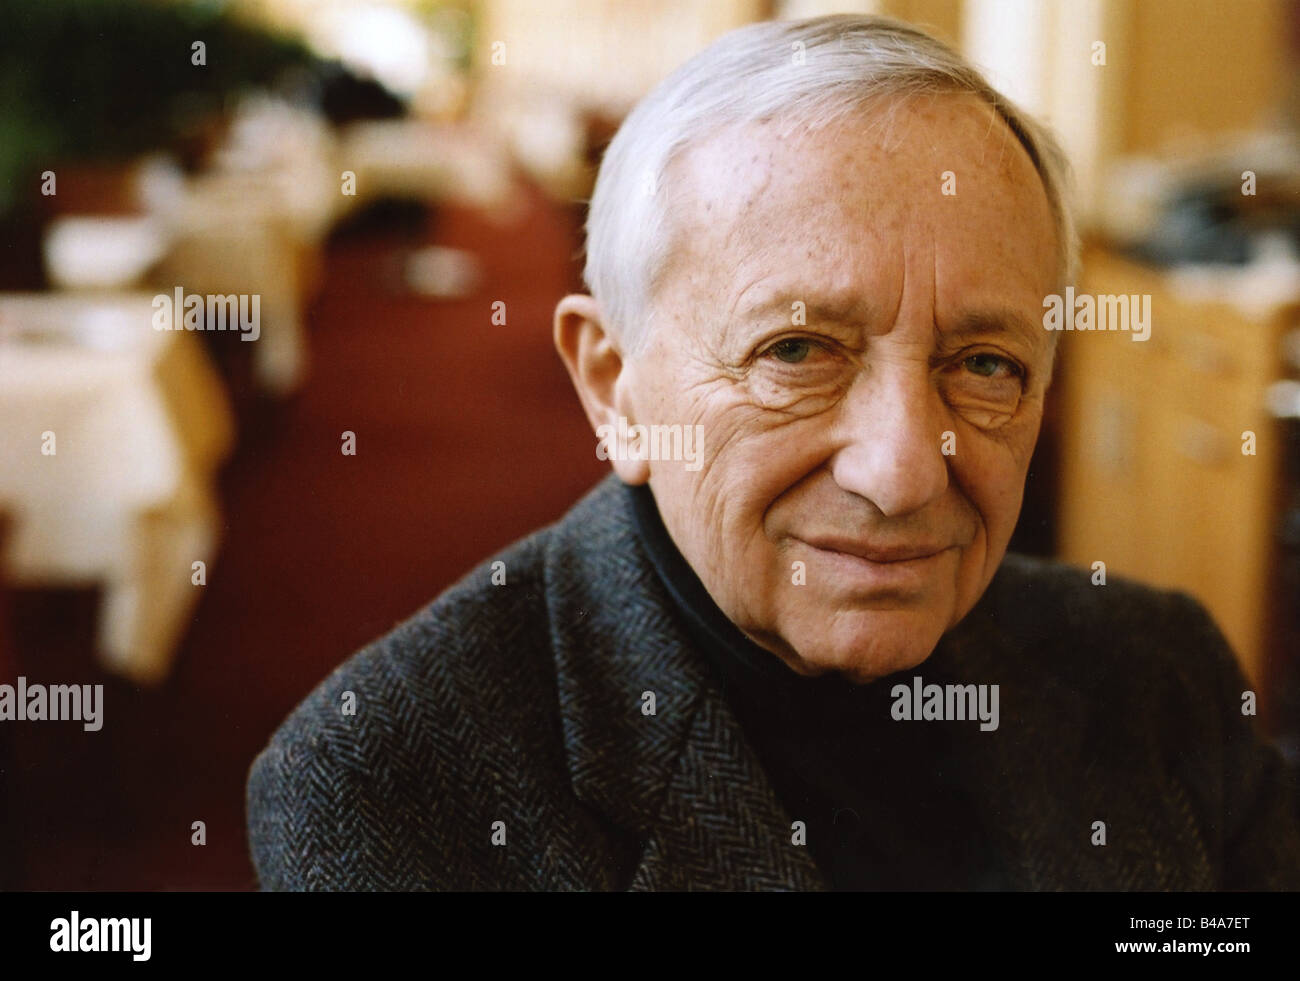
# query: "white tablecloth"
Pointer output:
{"type": "Point", "coordinates": [140, 423]}
{"type": "Point", "coordinates": [239, 234]}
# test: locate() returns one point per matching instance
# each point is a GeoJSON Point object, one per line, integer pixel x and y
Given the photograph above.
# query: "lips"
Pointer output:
{"type": "Point", "coordinates": [880, 552]}
{"type": "Point", "coordinates": [875, 573]}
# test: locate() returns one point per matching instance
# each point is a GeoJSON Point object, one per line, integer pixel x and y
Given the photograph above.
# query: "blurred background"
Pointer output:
{"type": "Point", "coordinates": [207, 527]}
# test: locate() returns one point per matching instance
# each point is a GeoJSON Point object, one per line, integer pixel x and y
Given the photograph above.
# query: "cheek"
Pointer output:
{"type": "Point", "coordinates": [765, 467]}
{"type": "Point", "coordinates": [752, 455]}
{"type": "Point", "coordinates": [751, 462]}
{"type": "Point", "coordinates": [991, 474]}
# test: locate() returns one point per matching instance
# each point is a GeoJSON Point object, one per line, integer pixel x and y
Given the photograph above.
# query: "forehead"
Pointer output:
{"type": "Point", "coordinates": [846, 210]}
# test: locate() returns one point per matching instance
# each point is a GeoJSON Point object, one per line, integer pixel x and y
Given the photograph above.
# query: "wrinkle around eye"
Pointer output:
{"type": "Point", "coordinates": [774, 395]}
{"type": "Point", "coordinates": [986, 418]}
{"type": "Point", "coordinates": [987, 402]}
{"type": "Point", "coordinates": [985, 413]}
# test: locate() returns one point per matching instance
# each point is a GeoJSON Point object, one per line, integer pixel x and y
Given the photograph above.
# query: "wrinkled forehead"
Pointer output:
{"type": "Point", "coordinates": [757, 198]}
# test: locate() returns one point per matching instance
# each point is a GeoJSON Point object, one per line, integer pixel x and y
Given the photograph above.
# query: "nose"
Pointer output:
{"type": "Point", "coordinates": [891, 449]}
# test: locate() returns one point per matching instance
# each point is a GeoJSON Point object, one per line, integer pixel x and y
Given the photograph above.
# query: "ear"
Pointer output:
{"type": "Point", "coordinates": [600, 376]}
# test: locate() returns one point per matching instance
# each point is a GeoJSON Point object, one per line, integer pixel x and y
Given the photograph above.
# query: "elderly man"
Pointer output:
{"type": "Point", "coordinates": [782, 646]}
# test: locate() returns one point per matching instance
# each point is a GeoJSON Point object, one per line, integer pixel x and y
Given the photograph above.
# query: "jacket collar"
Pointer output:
{"type": "Point", "coordinates": [683, 778]}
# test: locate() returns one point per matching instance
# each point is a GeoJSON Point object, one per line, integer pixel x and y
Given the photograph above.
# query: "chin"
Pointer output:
{"type": "Point", "coordinates": [871, 644]}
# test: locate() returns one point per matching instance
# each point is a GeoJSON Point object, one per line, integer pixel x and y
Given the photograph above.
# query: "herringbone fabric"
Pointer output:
{"type": "Point", "coordinates": [516, 710]}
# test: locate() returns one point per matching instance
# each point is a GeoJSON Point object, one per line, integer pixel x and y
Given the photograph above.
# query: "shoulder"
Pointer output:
{"type": "Point", "coordinates": [454, 724]}
{"type": "Point", "coordinates": [403, 753]}
{"type": "Point", "coordinates": [1072, 597]}
{"type": "Point", "coordinates": [1113, 626]}
{"type": "Point", "coordinates": [1142, 670]}
{"type": "Point", "coordinates": [1154, 694]}
{"type": "Point", "coordinates": [1133, 676]}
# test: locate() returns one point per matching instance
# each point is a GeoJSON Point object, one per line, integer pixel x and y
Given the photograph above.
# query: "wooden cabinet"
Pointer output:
{"type": "Point", "coordinates": [1154, 481]}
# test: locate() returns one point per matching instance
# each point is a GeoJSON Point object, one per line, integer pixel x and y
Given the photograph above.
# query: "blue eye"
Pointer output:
{"type": "Point", "coordinates": [792, 350]}
{"type": "Point", "coordinates": [987, 365]}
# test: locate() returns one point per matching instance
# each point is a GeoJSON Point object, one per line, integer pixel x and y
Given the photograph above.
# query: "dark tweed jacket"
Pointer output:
{"type": "Point", "coordinates": [521, 704]}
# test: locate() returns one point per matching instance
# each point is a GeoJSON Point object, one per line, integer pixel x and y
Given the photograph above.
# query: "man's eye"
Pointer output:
{"type": "Point", "coordinates": [792, 350]}
{"type": "Point", "coordinates": [988, 366]}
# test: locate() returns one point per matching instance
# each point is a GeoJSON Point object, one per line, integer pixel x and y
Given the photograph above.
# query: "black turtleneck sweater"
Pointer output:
{"type": "Point", "coordinates": [883, 800]}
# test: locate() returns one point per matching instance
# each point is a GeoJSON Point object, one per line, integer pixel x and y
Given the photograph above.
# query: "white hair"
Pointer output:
{"type": "Point", "coordinates": [813, 71]}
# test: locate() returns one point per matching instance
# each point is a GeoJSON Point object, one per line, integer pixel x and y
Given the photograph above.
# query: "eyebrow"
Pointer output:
{"type": "Point", "coordinates": [997, 321]}
{"type": "Point", "coordinates": [846, 308]}
{"type": "Point", "coordinates": [842, 308]}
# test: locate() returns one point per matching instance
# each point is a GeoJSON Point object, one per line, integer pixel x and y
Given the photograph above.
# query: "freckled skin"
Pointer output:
{"type": "Point", "coordinates": [837, 429]}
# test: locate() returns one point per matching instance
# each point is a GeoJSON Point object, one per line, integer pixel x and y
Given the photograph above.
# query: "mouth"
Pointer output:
{"type": "Point", "coordinates": [900, 571]}
{"type": "Point", "coordinates": [878, 553]}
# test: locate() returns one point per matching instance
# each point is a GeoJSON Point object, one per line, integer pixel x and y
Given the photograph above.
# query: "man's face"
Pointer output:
{"type": "Point", "coordinates": [865, 355]}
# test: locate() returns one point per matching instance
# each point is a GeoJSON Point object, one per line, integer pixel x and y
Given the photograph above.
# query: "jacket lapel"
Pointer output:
{"type": "Point", "coordinates": [723, 827]}
{"type": "Point", "coordinates": [682, 779]}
